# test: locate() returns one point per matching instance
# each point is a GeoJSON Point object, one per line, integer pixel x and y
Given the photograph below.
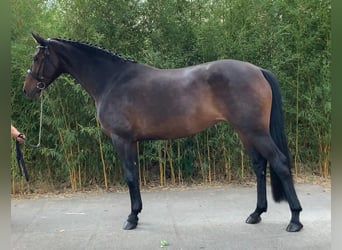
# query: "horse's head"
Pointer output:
{"type": "Point", "coordinates": [44, 68]}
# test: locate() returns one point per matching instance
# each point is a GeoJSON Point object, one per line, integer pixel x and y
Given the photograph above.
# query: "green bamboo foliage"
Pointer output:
{"type": "Point", "coordinates": [292, 39]}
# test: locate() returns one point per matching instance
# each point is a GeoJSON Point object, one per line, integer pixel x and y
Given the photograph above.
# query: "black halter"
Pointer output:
{"type": "Point", "coordinates": [39, 74]}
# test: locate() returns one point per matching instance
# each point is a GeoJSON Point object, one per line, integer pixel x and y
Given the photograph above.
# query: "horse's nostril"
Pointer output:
{"type": "Point", "coordinates": [24, 90]}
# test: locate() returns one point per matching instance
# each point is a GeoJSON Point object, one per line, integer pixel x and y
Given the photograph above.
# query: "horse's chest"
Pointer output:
{"type": "Point", "coordinates": [110, 118]}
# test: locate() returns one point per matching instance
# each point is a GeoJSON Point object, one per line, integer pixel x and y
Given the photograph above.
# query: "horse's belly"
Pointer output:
{"type": "Point", "coordinates": [175, 129]}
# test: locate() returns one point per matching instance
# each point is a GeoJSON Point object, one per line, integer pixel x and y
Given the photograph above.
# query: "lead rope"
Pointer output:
{"type": "Point", "coordinates": [41, 119]}
{"type": "Point", "coordinates": [20, 159]}
{"type": "Point", "coordinates": [40, 125]}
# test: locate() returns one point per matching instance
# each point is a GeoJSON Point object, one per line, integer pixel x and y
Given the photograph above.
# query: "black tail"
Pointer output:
{"type": "Point", "coordinates": [277, 131]}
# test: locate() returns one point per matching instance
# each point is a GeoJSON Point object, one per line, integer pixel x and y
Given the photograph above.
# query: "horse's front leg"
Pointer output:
{"type": "Point", "coordinates": [127, 151]}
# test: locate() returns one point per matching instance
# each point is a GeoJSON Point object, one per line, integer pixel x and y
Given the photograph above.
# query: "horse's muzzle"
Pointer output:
{"type": "Point", "coordinates": [32, 92]}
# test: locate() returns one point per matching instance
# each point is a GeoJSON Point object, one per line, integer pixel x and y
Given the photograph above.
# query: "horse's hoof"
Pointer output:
{"type": "Point", "coordinates": [294, 226]}
{"type": "Point", "coordinates": [253, 219]}
{"type": "Point", "coordinates": [129, 225]}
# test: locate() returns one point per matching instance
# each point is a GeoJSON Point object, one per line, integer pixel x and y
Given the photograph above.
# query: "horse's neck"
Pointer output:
{"type": "Point", "coordinates": [91, 72]}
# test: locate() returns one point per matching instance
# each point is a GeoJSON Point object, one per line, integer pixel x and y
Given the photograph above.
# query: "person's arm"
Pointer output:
{"type": "Point", "coordinates": [15, 132]}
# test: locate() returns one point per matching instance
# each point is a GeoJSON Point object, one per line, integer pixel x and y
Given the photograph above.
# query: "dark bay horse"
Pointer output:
{"type": "Point", "coordinates": [139, 102]}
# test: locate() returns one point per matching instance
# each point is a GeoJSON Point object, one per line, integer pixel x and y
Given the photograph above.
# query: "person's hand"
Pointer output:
{"type": "Point", "coordinates": [20, 137]}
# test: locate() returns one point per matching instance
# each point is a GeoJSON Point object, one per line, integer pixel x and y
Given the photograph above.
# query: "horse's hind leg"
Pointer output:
{"type": "Point", "coordinates": [259, 166]}
{"type": "Point", "coordinates": [127, 152]}
{"type": "Point", "coordinates": [278, 163]}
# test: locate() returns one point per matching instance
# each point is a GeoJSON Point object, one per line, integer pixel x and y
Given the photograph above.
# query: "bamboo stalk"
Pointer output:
{"type": "Point", "coordinates": [320, 155]}
{"type": "Point", "coordinates": [214, 170]}
{"type": "Point", "coordinates": [13, 183]}
{"type": "Point", "coordinates": [173, 178]}
{"type": "Point", "coordinates": [200, 159]}
{"type": "Point", "coordinates": [102, 158]}
{"type": "Point", "coordinates": [326, 161]}
{"type": "Point", "coordinates": [72, 174]}
{"type": "Point", "coordinates": [48, 168]}
{"type": "Point", "coordinates": [208, 157]}
{"type": "Point", "coordinates": [71, 177]}
{"type": "Point", "coordinates": [12, 171]}
{"type": "Point", "coordinates": [139, 171]}
{"type": "Point", "coordinates": [72, 171]}
{"type": "Point", "coordinates": [242, 163]}
{"type": "Point", "coordinates": [228, 164]}
{"type": "Point", "coordinates": [179, 163]}
{"type": "Point", "coordinates": [164, 160]}
{"type": "Point", "coordinates": [66, 157]}
{"type": "Point", "coordinates": [144, 173]}
{"type": "Point", "coordinates": [297, 122]}
{"type": "Point", "coordinates": [226, 168]}
{"type": "Point", "coordinates": [161, 172]}
{"type": "Point", "coordinates": [79, 168]}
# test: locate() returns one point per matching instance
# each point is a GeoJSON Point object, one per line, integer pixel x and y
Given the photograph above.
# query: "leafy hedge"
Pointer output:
{"type": "Point", "coordinates": [290, 38]}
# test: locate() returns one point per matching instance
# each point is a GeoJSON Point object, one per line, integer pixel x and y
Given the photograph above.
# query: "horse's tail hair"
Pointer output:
{"type": "Point", "coordinates": [277, 131]}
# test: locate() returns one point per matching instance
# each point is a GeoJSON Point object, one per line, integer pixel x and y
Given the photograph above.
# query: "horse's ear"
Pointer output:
{"type": "Point", "coordinates": [39, 39]}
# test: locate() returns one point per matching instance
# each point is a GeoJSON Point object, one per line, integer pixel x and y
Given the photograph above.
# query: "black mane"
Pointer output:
{"type": "Point", "coordinates": [95, 47]}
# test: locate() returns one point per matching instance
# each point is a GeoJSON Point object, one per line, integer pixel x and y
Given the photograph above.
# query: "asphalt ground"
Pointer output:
{"type": "Point", "coordinates": [198, 218]}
